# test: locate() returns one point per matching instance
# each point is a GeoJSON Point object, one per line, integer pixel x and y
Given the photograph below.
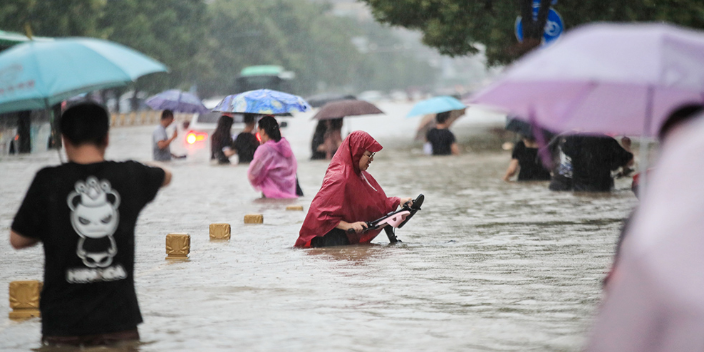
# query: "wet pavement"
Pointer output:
{"type": "Point", "coordinates": [485, 266]}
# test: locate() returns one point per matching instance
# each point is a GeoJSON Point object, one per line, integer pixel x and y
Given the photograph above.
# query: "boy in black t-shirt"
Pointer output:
{"type": "Point", "coordinates": [441, 139]}
{"type": "Point", "coordinates": [85, 213]}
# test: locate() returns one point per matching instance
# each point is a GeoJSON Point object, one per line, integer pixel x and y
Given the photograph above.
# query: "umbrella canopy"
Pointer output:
{"type": "Point", "coordinates": [319, 100]}
{"type": "Point", "coordinates": [602, 78]}
{"type": "Point", "coordinates": [654, 300]}
{"type": "Point", "coordinates": [12, 38]}
{"type": "Point", "coordinates": [262, 101]}
{"type": "Point", "coordinates": [176, 100]}
{"type": "Point", "coordinates": [36, 75]}
{"type": "Point", "coordinates": [435, 105]}
{"type": "Point", "coordinates": [344, 108]}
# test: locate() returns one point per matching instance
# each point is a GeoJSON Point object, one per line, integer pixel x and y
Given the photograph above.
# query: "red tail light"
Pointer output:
{"type": "Point", "coordinates": [192, 137]}
{"type": "Point", "coordinates": [259, 138]}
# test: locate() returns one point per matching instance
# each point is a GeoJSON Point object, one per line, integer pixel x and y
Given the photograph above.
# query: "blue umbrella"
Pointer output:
{"type": "Point", "coordinates": [36, 75]}
{"type": "Point", "coordinates": [176, 100]}
{"type": "Point", "coordinates": [262, 101]}
{"type": "Point", "coordinates": [436, 105]}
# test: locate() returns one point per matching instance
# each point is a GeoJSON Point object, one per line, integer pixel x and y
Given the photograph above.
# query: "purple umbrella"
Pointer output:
{"type": "Point", "coordinates": [342, 108]}
{"type": "Point", "coordinates": [178, 101]}
{"type": "Point", "coordinates": [654, 298]}
{"type": "Point", "coordinates": [605, 78]}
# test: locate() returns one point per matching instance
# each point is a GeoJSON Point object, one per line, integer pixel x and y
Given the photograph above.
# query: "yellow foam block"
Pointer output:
{"type": "Point", "coordinates": [254, 219]}
{"type": "Point", "coordinates": [24, 299]}
{"type": "Point", "coordinates": [219, 231]}
{"type": "Point", "coordinates": [295, 207]}
{"type": "Point", "coordinates": [178, 245]}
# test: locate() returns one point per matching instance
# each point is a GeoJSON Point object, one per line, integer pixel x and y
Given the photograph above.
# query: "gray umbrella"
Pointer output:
{"type": "Point", "coordinates": [344, 108]}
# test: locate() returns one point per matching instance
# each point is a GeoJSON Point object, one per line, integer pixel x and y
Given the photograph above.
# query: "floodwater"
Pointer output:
{"type": "Point", "coordinates": [485, 266]}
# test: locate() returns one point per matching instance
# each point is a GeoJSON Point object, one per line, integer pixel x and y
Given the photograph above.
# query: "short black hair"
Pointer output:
{"type": "Point", "coordinates": [680, 114]}
{"type": "Point", "coordinates": [441, 117]}
{"type": "Point", "coordinates": [249, 117]}
{"type": "Point", "coordinates": [85, 122]}
{"type": "Point", "coordinates": [166, 114]}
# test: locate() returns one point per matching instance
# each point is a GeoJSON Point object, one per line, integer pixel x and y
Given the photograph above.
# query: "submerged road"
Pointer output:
{"type": "Point", "coordinates": [485, 266]}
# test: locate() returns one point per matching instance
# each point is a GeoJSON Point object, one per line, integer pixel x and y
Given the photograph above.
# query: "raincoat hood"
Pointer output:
{"type": "Point", "coordinates": [347, 194]}
{"type": "Point", "coordinates": [282, 147]}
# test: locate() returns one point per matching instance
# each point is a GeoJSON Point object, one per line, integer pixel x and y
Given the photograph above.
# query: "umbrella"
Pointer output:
{"type": "Point", "coordinates": [344, 108]}
{"type": "Point", "coordinates": [654, 300]}
{"type": "Point", "coordinates": [319, 100]}
{"type": "Point", "coordinates": [605, 78]}
{"type": "Point", "coordinates": [262, 101]}
{"type": "Point", "coordinates": [176, 100]}
{"type": "Point", "coordinates": [436, 105]}
{"type": "Point", "coordinates": [12, 38]}
{"type": "Point", "coordinates": [37, 75]}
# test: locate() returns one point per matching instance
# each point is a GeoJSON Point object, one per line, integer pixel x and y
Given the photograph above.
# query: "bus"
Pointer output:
{"type": "Point", "coordinates": [264, 77]}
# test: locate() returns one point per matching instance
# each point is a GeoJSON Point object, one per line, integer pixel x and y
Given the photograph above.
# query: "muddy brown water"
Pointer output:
{"type": "Point", "coordinates": [485, 266]}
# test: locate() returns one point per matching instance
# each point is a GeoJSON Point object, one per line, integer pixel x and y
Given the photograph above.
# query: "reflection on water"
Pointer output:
{"type": "Point", "coordinates": [486, 265]}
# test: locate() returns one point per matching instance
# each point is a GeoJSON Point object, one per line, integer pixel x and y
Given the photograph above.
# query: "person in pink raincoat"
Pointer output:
{"type": "Point", "coordinates": [273, 169]}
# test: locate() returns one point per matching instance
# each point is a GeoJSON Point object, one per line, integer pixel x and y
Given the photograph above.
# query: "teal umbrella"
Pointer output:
{"type": "Point", "coordinates": [435, 105]}
{"type": "Point", "coordinates": [36, 75]}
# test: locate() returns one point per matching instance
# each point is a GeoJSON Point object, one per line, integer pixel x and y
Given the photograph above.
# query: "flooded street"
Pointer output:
{"type": "Point", "coordinates": [485, 266]}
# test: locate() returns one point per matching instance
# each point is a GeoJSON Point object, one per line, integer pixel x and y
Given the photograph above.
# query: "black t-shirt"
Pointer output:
{"type": "Point", "coordinates": [531, 167]}
{"type": "Point", "coordinates": [593, 158]}
{"type": "Point", "coordinates": [246, 144]}
{"type": "Point", "coordinates": [85, 215]}
{"type": "Point", "coordinates": [441, 140]}
{"type": "Point", "coordinates": [216, 145]}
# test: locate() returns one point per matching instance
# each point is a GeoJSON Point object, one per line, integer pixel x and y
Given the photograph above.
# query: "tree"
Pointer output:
{"type": "Point", "coordinates": [457, 27]}
{"type": "Point", "coordinates": [56, 18]}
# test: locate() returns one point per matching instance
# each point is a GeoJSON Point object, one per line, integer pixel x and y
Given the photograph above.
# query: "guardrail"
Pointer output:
{"type": "Point", "coordinates": [143, 118]}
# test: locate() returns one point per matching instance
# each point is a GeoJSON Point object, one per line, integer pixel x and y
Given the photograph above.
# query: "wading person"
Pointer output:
{"type": "Point", "coordinates": [525, 161]}
{"type": "Point", "coordinates": [440, 138]}
{"type": "Point", "coordinates": [348, 198]}
{"type": "Point", "coordinates": [84, 212]}
{"type": "Point", "coordinates": [161, 143]}
{"type": "Point", "coordinates": [221, 145]}
{"type": "Point", "coordinates": [593, 158]}
{"type": "Point", "coordinates": [246, 142]}
{"type": "Point", "coordinates": [273, 169]}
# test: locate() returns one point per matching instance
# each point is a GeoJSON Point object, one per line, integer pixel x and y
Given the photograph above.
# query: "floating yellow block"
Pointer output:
{"type": "Point", "coordinates": [24, 299]}
{"type": "Point", "coordinates": [254, 219]}
{"type": "Point", "coordinates": [219, 231]}
{"type": "Point", "coordinates": [295, 207]}
{"type": "Point", "coordinates": [178, 245]}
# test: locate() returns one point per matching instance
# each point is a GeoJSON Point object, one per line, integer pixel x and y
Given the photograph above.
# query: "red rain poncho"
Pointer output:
{"type": "Point", "coordinates": [347, 194]}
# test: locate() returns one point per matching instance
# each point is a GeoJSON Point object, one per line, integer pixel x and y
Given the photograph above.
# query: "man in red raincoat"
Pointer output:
{"type": "Point", "coordinates": [349, 197]}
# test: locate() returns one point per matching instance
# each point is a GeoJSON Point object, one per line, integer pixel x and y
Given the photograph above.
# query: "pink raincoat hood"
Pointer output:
{"type": "Point", "coordinates": [282, 147]}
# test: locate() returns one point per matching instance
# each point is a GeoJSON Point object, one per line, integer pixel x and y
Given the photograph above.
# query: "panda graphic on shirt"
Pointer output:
{"type": "Point", "coordinates": [95, 217]}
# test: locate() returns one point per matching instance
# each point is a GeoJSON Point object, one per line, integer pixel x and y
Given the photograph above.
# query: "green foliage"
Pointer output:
{"type": "Point", "coordinates": [208, 42]}
{"type": "Point", "coordinates": [456, 27]}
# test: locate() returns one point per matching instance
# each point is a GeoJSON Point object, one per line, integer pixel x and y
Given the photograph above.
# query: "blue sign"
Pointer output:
{"type": "Point", "coordinates": [553, 26]}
